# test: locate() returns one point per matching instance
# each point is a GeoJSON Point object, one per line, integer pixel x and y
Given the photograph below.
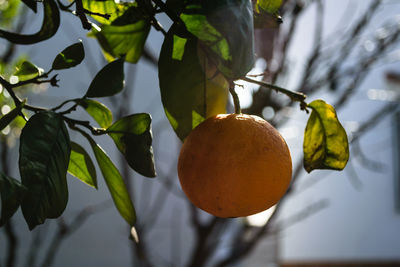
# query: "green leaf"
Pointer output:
{"type": "Point", "coordinates": [81, 166]}
{"type": "Point", "coordinates": [212, 22]}
{"type": "Point", "coordinates": [12, 193]}
{"type": "Point", "coordinates": [270, 6]}
{"type": "Point", "coordinates": [51, 22]}
{"type": "Point", "coordinates": [109, 7]}
{"type": "Point", "coordinates": [108, 81]}
{"type": "Point", "coordinates": [266, 13]}
{"type": "Point", "coordinates": [99, 112]}
{"type": "Point", "coordinates": [27, 70]}
{"type": "Point", "coordinates": [115, 183]}
{"type": "Point", "coordinates": [325, 141]}
{"type": "Point", "coordinates": [69, 57]}
{"type": "Point", "coordinates": [132, 135]}
{"type": "Point", "coordinates": [10, 116]}
{"type": "Point", "coordinates": [43, 162]}
{"type": "Point", "coordinates": [191, 87]}
{"type": "Point", "coordinates": [9, 12]}
{"type": "Point", "coordinates": [127, 40]}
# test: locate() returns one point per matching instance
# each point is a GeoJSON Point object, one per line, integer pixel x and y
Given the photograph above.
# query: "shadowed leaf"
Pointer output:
{"type": "Point", "coordinates": [51, 22]}
{"type": "Point", "coordinates": [212, 22]}
{"type": "Point", "coordinates": [132, 135]}
{"type": "Point", "coordinates": [43, 162]}
{"type": "Point", "coordinates": [69, 57]}
{"type": "Point", "coordinates": [191, 87]}
{"type": "Point", "coordinates": [108, 81]}
{"type": "Point", "coordinates": [12, 193]}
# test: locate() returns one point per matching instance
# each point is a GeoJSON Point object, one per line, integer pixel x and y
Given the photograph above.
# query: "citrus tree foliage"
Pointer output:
{"type": "Point", "coordinates": [209, 46]}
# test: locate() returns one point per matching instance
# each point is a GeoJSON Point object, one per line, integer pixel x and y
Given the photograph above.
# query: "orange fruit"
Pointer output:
{"type": "Point", "coordinates": [234, 165]}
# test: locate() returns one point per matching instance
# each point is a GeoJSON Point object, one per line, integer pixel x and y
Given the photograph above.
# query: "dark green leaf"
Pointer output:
{"type": "Point", "coordinates": [212, 23]}
{"type": "Point", "coordinates": [81, 166]}
{"type": "Point", "coordinates": [69, 57]}
{"type": "Point", "coordinates": [131, 15]}
{"type": "Point", "coordinates": [325, 141]}
{"type": "Point", "coordinates": [27, 70]}
{"type": "Point", "coordinates": [10, 116]}
{"type": "Point", "coordinates": [188, 93]}
{"type": "Point", "coordinates": [199, 26]}
{"type": "Point", "coordinates": [127, 40]}
{"type": "Point", "coordinates": [32, 4]}
{"type": "Point", "coordinates": [115, 183]}
{"type": "Point", "coordinates": [99, 112]}
{"type": "Point", "coordinates": [132, 135]}
{"type": "Point", "coordinates": [43, 162]}
{"type": "Point", "coordinates": [108, 81]}
{"type": "Point", "coordinates": [177, 5]}
{"type": "Point", "coordinates": [12, 193]}
{"type": "Point", "coordinates": [51, 22]}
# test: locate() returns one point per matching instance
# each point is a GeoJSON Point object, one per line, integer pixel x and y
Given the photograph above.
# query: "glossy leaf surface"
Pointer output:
{"type": "Point", "coordinates": [43, 162]}
{"type": "Point", "coordinates": [191, 87]}
{"type": "Point", "coordinates": [98, 111]}
{"type": "Point", "coordinates": [81, 165]}
{"type": "Point", "coordinates": [132, 135]}
{"type": "Point", "coordinates": [12, 193]}
{"type": "Point", "coordinates": [115, 183]}
{"type": "Point", "coordinates": [69, 57]}
{"type": "Point", "coordinates": [108, 81]}
{"type": "Point", "coordinates": [325, 141]}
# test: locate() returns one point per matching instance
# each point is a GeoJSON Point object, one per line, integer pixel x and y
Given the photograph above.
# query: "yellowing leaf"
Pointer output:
{"type": "Point", "coordinates": [270, 6]}
{"type": "Point", "coordinates": [325, 141]}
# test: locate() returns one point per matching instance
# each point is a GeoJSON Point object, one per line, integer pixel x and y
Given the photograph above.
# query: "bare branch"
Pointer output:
{"type": "Point", "coordinates": [303, 214]}
{"type": "Point", "coordinates": [65, 229]}
{"type": "Point", "coordinates": [12, 238]}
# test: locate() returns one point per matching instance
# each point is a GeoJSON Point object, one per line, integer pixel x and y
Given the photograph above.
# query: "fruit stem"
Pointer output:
{"type": "Point", "coordinates": [235, 97]}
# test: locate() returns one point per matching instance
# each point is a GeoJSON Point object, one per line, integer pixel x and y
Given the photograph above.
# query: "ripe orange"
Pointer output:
{"type": "Point", "coordinates": [234, 165]}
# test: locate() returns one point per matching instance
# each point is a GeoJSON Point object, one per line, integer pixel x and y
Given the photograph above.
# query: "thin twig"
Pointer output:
{"type": "Point", "coordinates": [65, 229]}
{"type": "Point", "coordinates": [294, 96]}
{"type": "Point", "coordinates": [95, 131]}
{"type": "Point", "coordinates": [12, 238]}
{"type": "Point", "coordinates": [80, 12]}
